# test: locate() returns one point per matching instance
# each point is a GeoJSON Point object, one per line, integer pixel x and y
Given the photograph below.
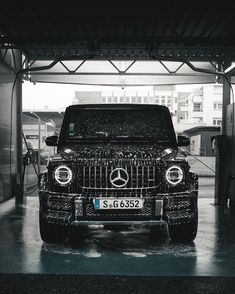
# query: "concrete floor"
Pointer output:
{"type": "Point", "coordinates": [128, 252]}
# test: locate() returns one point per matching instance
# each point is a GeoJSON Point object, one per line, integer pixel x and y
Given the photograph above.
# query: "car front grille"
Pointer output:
{"type": "Point", "coordinates": [96, 174]}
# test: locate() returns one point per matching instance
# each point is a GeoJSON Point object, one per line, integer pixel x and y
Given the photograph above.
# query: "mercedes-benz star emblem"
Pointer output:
{"type": "Point", "coordinates": [119, 177]}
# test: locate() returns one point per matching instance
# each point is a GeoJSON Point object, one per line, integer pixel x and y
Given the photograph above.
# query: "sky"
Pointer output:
{"type": "Point", "coordinates": [59, 96]}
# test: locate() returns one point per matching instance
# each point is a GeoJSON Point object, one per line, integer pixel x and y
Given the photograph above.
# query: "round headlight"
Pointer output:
{"type": "Point", "coordinates": [63, 175]}
{"type": "Point", "coordinates": [174, 175]}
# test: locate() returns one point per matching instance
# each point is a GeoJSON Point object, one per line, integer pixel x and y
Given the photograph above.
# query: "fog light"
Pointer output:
{"type": "Point", "coordinates": [159, 207]}
{"type": "Point", "coordinates": [78, 208]}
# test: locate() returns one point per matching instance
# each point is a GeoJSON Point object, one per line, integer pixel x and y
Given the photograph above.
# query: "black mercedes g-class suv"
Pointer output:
{"type": "Point", "coordinates": [118, 165]}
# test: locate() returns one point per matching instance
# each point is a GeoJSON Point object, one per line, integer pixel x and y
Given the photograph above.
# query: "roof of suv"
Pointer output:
{"type": "Point", "coordinates": [118, 106]}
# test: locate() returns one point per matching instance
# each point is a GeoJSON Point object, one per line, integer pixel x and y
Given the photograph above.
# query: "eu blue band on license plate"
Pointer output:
{"type": "Point", "coordinates": [97, 203]}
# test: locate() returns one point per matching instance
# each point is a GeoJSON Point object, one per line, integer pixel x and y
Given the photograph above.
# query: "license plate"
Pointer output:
{"type": "Point", "coordinates": [118, 203]}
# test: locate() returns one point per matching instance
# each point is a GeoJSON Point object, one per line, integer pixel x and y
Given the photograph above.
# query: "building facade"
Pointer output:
{"type": "Point", "coordinates": [162, 95]}
{"type": "Point", "coordinates": [203, 106]}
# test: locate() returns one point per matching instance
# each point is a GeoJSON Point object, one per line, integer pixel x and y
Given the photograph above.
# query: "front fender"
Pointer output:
{"type": "Point", "coordinates": [43, 181]}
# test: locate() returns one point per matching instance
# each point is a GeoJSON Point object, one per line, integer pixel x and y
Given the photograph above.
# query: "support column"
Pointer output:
{"type": "Point", "coordinates": [226, 96]}
{"type": "Point", "coordinates": [19, 197]}
{"type": "Point", "coordinates": [222, 157]}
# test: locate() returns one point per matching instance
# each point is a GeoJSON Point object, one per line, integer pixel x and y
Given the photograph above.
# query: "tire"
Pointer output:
{"type": "Point", "coordinates": [184, 232]}
{"type": "Point", "coordinates": [158, 232]}
{"type": "Point", "coordinates": [51, 233]}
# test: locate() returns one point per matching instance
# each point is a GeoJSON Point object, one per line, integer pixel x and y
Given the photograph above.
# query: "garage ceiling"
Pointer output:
{"type": "Point", "coordinates": [121, 73]}
{"type": "Point", "coordinates": [123, 29]}
{"type": "Point", "coordinates": [119, 30]}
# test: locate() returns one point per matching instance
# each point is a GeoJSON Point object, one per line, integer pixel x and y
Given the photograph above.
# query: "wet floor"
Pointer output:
{"type": "Point", "coordinates": [132, 251]}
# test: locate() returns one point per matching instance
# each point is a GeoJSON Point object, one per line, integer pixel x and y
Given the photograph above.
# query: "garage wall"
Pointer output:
{"type": "Point", "coordinates": [9, 161]}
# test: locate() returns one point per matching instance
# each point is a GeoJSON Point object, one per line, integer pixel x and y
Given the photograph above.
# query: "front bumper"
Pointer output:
{"type": "Point", "coordinates": [75, 209]}
{"type": "Point", "coordinates": [117, 222]}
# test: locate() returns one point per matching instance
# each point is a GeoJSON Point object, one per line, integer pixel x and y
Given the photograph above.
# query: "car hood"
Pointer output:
{"type": "Point", "coordinates": [118, 151]}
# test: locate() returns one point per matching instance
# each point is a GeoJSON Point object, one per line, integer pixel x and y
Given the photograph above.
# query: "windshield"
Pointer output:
{"type": "Point", "coordinates": [119, 124]}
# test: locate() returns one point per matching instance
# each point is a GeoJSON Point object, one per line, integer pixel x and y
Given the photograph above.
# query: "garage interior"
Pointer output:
{"type": "Point", "coordinates": [131, 43]}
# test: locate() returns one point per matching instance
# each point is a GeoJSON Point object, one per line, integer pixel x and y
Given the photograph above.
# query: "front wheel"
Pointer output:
{"type": "Point", "coordinates": [184, 232]}
{"type": "Point", "coordinates": [51, 233]}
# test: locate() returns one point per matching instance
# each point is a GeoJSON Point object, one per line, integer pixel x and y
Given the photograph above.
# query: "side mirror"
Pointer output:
{"type": "Point", "coordinates": [183, 141]}
{"type": "Point", "coordinates": [52, 141]}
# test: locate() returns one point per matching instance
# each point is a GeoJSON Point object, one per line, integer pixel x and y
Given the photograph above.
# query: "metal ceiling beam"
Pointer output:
{"type": "Point", "coordinates": [122, 71]}
{"type": "Point", "coordinates": [113, 74]}
{"type": "Point", "coordinates": [50, 41]}
{"type": "Point", "coordinates": [132, 12]}
{"type": "Point", "coordinates": [101, 82]}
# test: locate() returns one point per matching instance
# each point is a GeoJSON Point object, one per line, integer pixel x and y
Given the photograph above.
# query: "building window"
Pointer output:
{"type": "Point", "coordinates": [183, 115]}
{"type": "Point", "coordinates": [163, 101]}
{"type": "Point", "coordinates": [218, 90]}
{"type": "Point", "coordinates": [121, 99]}
{"type": "Point", "coordinates": [157, 100]}
{"type": "Point", "coordinates": [133, 100]}
{"type": "Point", "coordinates": [217, 121]}
{"type": "Point", "coordinates": [169, 102]}
{"type": "Point", "coordinates": [217, 106]}
{"type": "Point", "coordinates": [139, 99]}
{"type": "Point", "coordinates": [145, 100]}
{"type": "Point", "coordinates": [151, 100]}
{"type": "Point", "coordinates": [109, 99]}
{"type": "Point", "coordinates": [127, 99]}
{"type": "Point", "coordinates": [103, 99]}
{"type": "Point", "coordinates": [197, 107]}
{"type": "Point", "coordinates": [115, 99]}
